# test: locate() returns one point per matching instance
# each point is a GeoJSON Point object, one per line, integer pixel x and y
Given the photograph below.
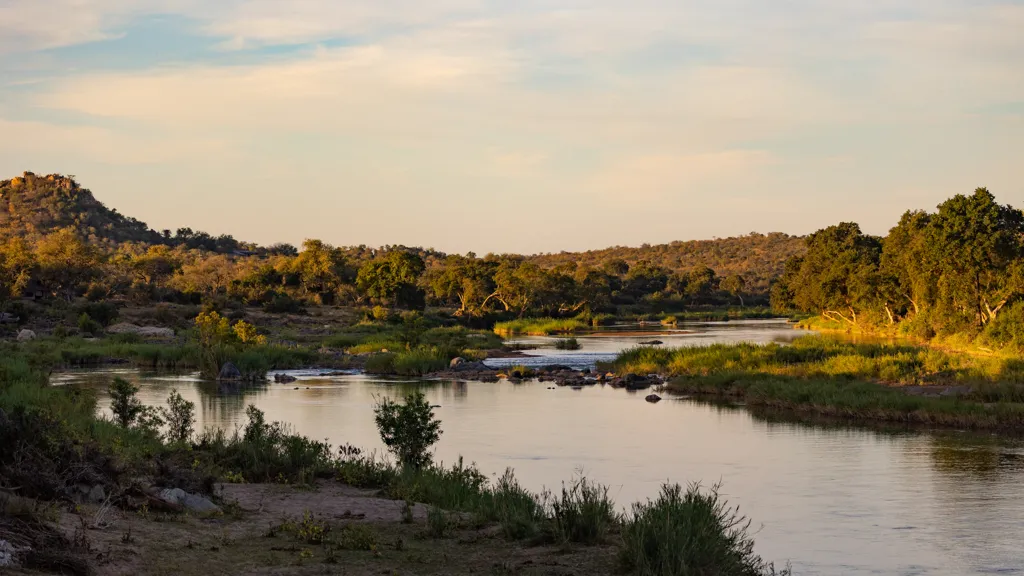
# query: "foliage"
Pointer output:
{"type": "Point", "coordinates": [179, 416]}
{"type": "Point", "coordinates": [695, 532]}
{"type": "Point", "coordinates": [567, 344]}
{"type": "Point", "coordinates": [409, 429]}
{"type": "Point", "coordinates": [124, 402]}
{"type": "Point", "coordinates": [947, 274]}
{"type": "Point", "coordinates": [583, 513]}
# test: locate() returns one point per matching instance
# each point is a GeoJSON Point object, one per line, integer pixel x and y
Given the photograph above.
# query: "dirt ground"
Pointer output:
{"type": "Point", "coordinates": [262, 531]}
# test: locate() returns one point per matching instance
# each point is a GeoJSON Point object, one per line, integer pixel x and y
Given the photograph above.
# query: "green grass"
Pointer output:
{"type": "Point", "coordinates": [692, 532]}
{"type": "Point", "coordinates": [540, 326]}
{"type": "Point", "coordinates": [824, 376]}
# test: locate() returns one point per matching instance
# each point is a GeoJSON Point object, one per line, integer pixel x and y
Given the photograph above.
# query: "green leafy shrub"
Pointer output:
{"type": "Point", "coordinates": [409, 429]}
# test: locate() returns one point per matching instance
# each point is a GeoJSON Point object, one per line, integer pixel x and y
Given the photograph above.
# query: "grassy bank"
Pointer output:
{"type": "Point", "coordinates": [57, 443]}
{"type": "Point", "coordinates": [870, 381]}
{"type": "Point", "coordinates": [75, 352]}
{"type": "Point", "coordinates": [540, 326]}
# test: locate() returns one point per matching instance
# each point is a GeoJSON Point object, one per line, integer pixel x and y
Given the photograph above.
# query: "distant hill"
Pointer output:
{"type": "Point", "coordinates": [759, 258]}
{"type": "Point", "coordinates": [32, 206]}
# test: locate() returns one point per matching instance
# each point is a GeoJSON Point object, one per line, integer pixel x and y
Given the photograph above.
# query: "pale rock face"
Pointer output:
{"type": "Point", "coordinates": [26, 335]}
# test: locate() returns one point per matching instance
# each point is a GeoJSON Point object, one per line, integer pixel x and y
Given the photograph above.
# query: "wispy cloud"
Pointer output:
{"type": "Point", "coordinates": [728, 105]}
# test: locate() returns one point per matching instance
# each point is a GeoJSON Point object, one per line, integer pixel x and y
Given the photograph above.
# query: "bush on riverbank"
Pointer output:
{"type": "Point", "coordinates": [692, 532]}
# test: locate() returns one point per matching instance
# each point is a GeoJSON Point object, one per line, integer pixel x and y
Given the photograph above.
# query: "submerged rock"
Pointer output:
{"type": "Point", "coordinates": [653, 398]}
{"type": "Point", "coordinates": [652, 343]}
{"type": "Point", "coordinates": [229, 372]}
{"type": "Point", "coordinates": [284, 378]}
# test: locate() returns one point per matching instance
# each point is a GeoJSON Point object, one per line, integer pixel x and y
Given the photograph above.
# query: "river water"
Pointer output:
{"type": "Point", "coordinates": [830, 499]}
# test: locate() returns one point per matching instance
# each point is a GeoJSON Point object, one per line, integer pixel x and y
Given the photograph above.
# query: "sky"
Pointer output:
{"type": "Point", "coordinates": [525, 126]}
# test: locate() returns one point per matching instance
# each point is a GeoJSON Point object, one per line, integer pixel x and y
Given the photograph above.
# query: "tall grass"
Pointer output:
{"type": "Point", "coordinates": [689, 533]}
{"type": "Point", "coordinates": [583, 513]}
{"type": "Point", "coordinates": [824, 376]}
{"type": "Point", "coordinates": [539, 326]}
{"type": "Point", "coordinates": [819, 357]}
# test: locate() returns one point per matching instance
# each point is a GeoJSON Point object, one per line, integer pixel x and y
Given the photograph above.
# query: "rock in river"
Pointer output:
{"type": "Point", "coordinates": [229, 372]}
{"type": "Point", "coordinates": [652, 398]}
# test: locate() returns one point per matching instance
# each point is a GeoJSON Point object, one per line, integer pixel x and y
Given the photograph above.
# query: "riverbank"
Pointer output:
{"type": "Point", "coordinates": [858, 381]}
{"type": "Point", "coordinates": [87, 495]}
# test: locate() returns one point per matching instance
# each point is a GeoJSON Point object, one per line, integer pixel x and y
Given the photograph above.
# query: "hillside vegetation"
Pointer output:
{"type": "Point", "coordinates": [57, 241]}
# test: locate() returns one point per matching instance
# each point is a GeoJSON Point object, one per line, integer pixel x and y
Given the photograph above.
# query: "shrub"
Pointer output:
{"type": "Point", "coordinates": [439, 523]}
{"type": "Point", "coordinates": [180, 417]}
{"type": "Point", "coordinates": [695, 532]}
{"type": "Point", "coordinates": [567, 344]}
{"type": "Point", "coordinates": [516, 509]}
{"type": "Point", "coordinates": [409, 429]}
{"type": "Point", "coordinates": [124, 402]}
{"type": "Point", "coordinates": [583, 514]}
{"type": "Point", "coordinates": [87, 325]}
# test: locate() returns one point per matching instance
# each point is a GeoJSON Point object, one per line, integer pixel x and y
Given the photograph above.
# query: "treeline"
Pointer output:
{"type": "Point", "coordinates": [63, 265]}
{"type": "Point", "coordinates": [58, 241]}
{"type": "Point", "coordinates": [956, 272]}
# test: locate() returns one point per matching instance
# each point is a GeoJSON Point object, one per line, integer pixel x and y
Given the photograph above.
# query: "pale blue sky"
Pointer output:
{"type": "Point", "coordinates": [534, 125]}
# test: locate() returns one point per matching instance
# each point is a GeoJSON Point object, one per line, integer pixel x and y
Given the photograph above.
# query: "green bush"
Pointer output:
{"type": "Point", "coordinates": [567, 344]}
{"type": "Point", "coordinates": [87, 325]}
{"type": "Point", "coordinates": [409, 429]}
{"type": "Point", "coordinates": [180, 417]}
{"type": "Point", "coordinates": [583, 513]}
{"type": "Point", "coordinates": [695, 532]}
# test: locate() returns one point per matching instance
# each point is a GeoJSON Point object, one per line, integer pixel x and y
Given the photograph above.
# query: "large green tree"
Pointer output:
{"type": "Point", "coordinates": [393, 279]}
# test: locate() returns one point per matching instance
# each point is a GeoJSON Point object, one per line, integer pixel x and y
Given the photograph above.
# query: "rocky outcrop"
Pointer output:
{"type": "Point", "coordinates": [143, 331]}
{"type": "Point", "coordinates": [155, 332]}
{"type": "Point", "coordinates": [229, 373]}
{"type": "Point", "coordinates": [284, 378]}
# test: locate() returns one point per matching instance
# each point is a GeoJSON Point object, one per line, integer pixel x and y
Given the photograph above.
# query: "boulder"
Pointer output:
{"type": "Point", "coordinates": [636, 382]}
{"type": "Point", "coordinates": [97, 495]}
{"type": "Point", "coordinates": [7, 553]}
{"type": "Point", "coordinates": [155, 332]}
{"type": "Point", "coordinates": [458, 360]}
{"type": "Point", "coordinates": [26, 335]}
{"type": "Point", "coordinates": [193, 502]}
{"type": "Point", "coordinates": [6, 318]}
{"type": "Point", "coordinates": [229, 372]}
{"type": "Point", "coordinates": [123, 328]}
{"type": "Point", "coordinates": [652, 398]}
{"type": "Point", "coordinates": [284, 378]}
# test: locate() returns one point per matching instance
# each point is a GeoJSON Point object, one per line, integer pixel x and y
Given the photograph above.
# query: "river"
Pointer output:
{"type": "Point", "coordinates": [830, 499]}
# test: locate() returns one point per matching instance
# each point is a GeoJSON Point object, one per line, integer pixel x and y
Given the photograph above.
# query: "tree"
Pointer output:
{"type": "Point", "coordinates": [734, 284]}
{"type": "Point", "coordinates": [409, 429]}
{"type": "Point", "coordinates": [321, 269]}
{"type": "Point", "coordinates": [65, 263]}
{"type": "Point", "coordinates": [977, 246]}
{"type": "Point", "coordinates": [469, 282]}
{"type": "Point", "coordinates": [835, 276]}
{"type": "Point", "coordinates": [393, 278]}
{"type": "Point", "coordinates": [16, 265]}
